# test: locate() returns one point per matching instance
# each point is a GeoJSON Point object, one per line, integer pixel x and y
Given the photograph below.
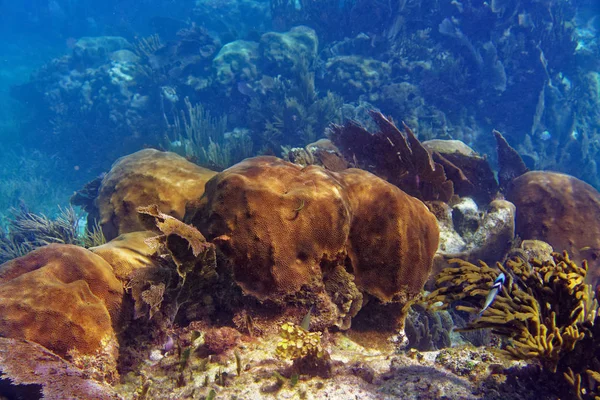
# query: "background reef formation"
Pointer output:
{"type": "Point", "coordinates": [451, 71]}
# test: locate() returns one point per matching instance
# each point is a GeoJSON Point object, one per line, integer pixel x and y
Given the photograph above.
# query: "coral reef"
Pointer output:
{"type": "Point", "coordinates": [322, 153]}
{"type": "Point", "coordinates": [203, 139]}
{"type": "Point", "coordinates": [290, 111]}
{"type": "Point", "coordinates": [232, 17]}
{"type": "Point", "coordinates": [236, 61]}
{"type": "Point", "coordinates": [356, 75]}
{"type": "Point", "coordinates": [380, 264]}
{"type": "Point", "coordinates": [144, 178]}
{"type": "Point", "coordinates": [282, 53]}
{"type": "Point", "coordinates": [550, 207]}
{"type": "Point", "coordinates": [219, 340]}
{"type": "Point", "coordinates": [304, 221]}
{"type": "Point", "coordinates": [127, 253]}
{"type": "Point", "coordinates": [317, 221]}
{"type": "Point", "coordinates": [428, 330]}
{"type": "Point", "coordinates": [35, 288]}
{"type": "Point", "coordinates": [98, 96]}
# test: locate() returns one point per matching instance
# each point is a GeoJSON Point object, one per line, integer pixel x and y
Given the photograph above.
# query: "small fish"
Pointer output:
{"type": "Point", "coordinates": [306, 320]}
{"type": "Point", "coordinates": [546, 135]}
{"type": "Point", "coordinates": [496, 288]}
{"type": "Point", "coordinates": [245, 89]}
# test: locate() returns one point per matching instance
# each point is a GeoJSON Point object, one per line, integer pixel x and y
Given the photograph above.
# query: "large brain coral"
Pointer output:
{"type": "Point", "coordinates": [288, 230]}
{"type": "Point", "coordinates": [144, 178]}
{"type": "Point", "coordinates": [562, 211]}
{"type": "Point", "coordinates": [393, 237]}
{"type": "Point", "coordinates": [282, 223]}
{"type": "Point", "coordinates": [60, 296]}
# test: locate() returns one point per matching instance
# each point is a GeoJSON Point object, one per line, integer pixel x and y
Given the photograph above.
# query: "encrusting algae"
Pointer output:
{"type": "Point", "coordinates": [546, 310]}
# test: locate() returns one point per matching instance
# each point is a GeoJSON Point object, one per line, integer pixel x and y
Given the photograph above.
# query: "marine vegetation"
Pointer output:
{"type": "Point", "coordinates": [546, 311]}
{"type": "Point", "coordinates": [202, 138]}
{"type": "Point", "coordinates": [291, 112]}
{"type": "Point", "coordinates": [27, 231]}
{"type": "Point", "coordinates": [400, 159]}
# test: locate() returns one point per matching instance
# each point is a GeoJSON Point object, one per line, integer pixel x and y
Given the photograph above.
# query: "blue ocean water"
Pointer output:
{"type": "Point", "coordinates": [85, 82]}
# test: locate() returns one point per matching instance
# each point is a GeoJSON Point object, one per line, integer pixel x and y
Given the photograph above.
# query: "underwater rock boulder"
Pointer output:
{"type": "Point", "coordinates": [284, 52]}
{"type": "Point", "coordinates": [561, 210]}
{"type": "Point", "coordinates": [143, 178]}
{"type": "Point", "coordinates": [62, 297]}
{"type": "Point", "coordinates": [290, 231]}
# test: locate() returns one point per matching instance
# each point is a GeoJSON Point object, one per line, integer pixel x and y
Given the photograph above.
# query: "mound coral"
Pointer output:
{"type": "Point", "coordinates": [561, 210]}
{"type": "Point", "coordinates": [34, 292]}
{"type": "Point", "coordinates": [127, 253]}
{"type": "Point", "coordinates": [144, 178]}
{"type": "Point", "coordinates": [286, 230]}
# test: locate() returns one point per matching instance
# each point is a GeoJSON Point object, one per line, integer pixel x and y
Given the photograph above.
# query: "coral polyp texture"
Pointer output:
{"type": "Point", "coordinates": [393, 237]}
{"type": "Point", "coordinates": [127, 253]}
{"type": "Point", "coordinates": [286, 230]}
{"type": "Point", "coordinates": [561, 210]}
{"type": "Point", "coordinates": [144, 178]}
{"type": "Point", "coordinates": [62, 297]}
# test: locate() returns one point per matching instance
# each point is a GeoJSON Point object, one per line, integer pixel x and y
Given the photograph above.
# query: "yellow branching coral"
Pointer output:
{"type": "Point", "coordinates": [297, 343]}
{"type": "Point", "coordinates": [539, 309]}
